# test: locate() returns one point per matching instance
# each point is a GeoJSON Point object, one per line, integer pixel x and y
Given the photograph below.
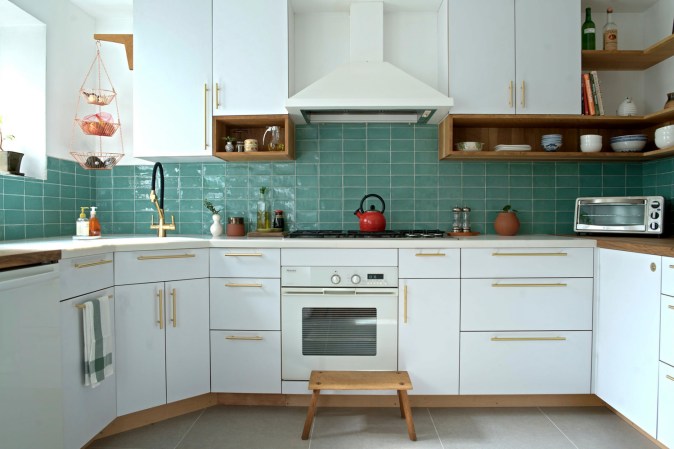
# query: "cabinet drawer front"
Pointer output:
{"type": "Point", "coordinates": [666, 405]}
{"type": "Point", "coordinates": [136, 267]}
{"type": "Point", "coordinates": [333, 257]}
{"type": "Point", "coordinates": [245, 262]}
{"type": "Point", "coordinates": [667, 330]}
{"type": "Point", "coordinates": [245, 303]}
{"type": "Point", "coordinates": [668, 276]}
{"type": "Point", "coordinates": [429, 263]}
{"type": "Point", "coordinates": [526, 304]}
{"type": "Point", "coordinates": [525, 362]}
{"type": "Point", "coordinates": [82, 275]}
{"type": "Point", "coordinates": [527, 262]}
{"type": "Point", "coordinates": [246, 362]}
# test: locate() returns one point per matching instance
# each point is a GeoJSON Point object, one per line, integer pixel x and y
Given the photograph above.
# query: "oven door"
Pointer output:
{"type": "Point", "coordinates": [338, 329]}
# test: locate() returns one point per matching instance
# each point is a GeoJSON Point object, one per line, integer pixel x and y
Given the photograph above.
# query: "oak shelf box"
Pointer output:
{"type": "Point", "coordinates": [628, 59]}
{"type": "Point", "coordinates": [253, 127]}
{"type": "Point", "coordinates": [528, 129]}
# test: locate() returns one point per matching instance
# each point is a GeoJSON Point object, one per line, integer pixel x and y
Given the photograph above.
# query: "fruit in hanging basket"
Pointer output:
{"type": "Point", "coordinates": [93, 162]}
{"type": "Point", "coordinates": [99, 124]}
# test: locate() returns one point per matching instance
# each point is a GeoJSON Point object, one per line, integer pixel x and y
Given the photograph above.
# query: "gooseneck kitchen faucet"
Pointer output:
{"type": "Point", "coordinates": [161, 227]}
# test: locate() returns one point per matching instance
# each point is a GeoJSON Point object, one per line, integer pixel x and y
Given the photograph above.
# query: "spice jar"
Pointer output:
{"type": "Point", "coordinates": [235, 227]}
{"type": "Point", "coordinates": [279, 221]}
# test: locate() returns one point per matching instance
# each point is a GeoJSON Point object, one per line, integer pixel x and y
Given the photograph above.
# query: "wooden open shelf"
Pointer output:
{"type": "Point", "coordinates": [253, 127]}
{"type": "Point", "coordinates": [528, 129]}
{"type": "Point", "coordinates": [628, 59]}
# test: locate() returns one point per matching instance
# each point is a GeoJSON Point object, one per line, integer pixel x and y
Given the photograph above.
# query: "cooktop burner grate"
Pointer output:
{"type": "Point", "coordinates": [391, 234]}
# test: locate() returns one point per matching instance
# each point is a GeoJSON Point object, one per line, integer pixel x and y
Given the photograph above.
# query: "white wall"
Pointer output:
{"type": "Point", "coordinates": [660, 78]}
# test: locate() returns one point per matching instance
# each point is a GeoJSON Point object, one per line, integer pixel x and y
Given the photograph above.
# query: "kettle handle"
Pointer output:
{"type": "Point", "coordinates": [362, 202]}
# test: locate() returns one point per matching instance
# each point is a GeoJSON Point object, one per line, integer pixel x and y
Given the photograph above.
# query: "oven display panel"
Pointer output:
{"type": "Point", "coordinates": [375, 276]}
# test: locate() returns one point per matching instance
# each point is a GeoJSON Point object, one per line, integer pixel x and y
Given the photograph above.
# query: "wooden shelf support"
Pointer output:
{"type": "Point", "coordinates": [125, 39]}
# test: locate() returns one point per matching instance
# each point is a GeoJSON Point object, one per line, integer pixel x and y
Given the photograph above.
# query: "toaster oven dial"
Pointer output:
{"type": "Point", "coordinates": [655, 215]}
{"type": "Point", "coordinates": [655, 204]}
{"type": "Point", "coordinates": [654, 226]}
{"type": "Point", "coordinates": [336, 279]}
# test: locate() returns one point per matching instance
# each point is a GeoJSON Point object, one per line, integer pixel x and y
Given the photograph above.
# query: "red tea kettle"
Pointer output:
{"type": "Point", "coordinates": [372, 220]}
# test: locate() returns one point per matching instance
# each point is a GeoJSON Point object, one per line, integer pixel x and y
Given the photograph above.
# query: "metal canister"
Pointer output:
{"type": "Point", "coordinates": [465, 219]}
{"type": "Point", "coordinates": [456, 219]}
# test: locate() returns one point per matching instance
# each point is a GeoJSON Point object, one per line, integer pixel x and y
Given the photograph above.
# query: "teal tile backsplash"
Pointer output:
{"type": "Point", "coordinates": [335, 166]}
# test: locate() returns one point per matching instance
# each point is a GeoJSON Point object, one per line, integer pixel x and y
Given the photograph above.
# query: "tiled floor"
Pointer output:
{"type": "Point", "coordinates": [224, 427]}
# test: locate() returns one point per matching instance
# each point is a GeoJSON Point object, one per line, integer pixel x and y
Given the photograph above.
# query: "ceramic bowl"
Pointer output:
{"type": "Point", "coordinates": [664, 141]}
{"type": "Point", "coordinates": [593, 147]}
{"type": "Point", "coordinates": [628, 146]}
{"type": "Point", "coordinates": [590, 138]}
{"type": "Point", "coordinates": [665, 130]}
{"type": "Point", "coordinates": [552, 146]}
{"type": "Point", "coordinates": [469, 146]}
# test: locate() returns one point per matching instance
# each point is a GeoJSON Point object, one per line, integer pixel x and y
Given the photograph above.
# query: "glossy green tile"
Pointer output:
{"type": "Point", "coordinates": [426, 181]}
{"type": "Point", "coordinates": [379, 158]}
{"type": "Point", "coordinates": [566, 168]}
{"type": "Point", "coordinates": [379, 132]}
{"type": "Point", "coordinates": [402, 131]}
{"type": "Point", "coordinates": [378, 170]}
{"type": "Point", "coordinates": [406, 158]}
{"type": "Point", "coordinates": [613, 170]}
{"type": "Point", "coordinates": [378, 145]}
{"type": "Point", "coordinates": [354, 145]}
{"type": "Point", "coordinates": [425, 169]}
{"type": "Point", "coordinates": [402, 145]}
{"type": "Point", "coordinates": [474, 181]}
{"type": "Point", "coordinates": [402, 169]}
{"type": "Point", "coordinates": [330, 157]}
{"type": "Point", "coordinates": [426, 158]}
{"type": "Point", "coordinates": [426, 132]}
{"type": "Point", "coordinates": [15, 202]}
{"type": "Point", "coordinates": [375, 182]}
{"type": "Point", "coordinates": [521, 169]}
{"type": "Point", "coordinates": [331, 181]}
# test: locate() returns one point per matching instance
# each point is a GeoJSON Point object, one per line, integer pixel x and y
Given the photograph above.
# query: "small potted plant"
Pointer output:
{"type": "Point", "coordinates": [10, 161]}
{"type": "Point", "coordinates": [216, 227]}
{"type": "Point", "coordinates": [506, 222]}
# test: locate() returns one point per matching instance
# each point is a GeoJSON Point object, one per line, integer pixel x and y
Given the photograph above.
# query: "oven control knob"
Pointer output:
{"type": "Point", "coordinates": [336, 279]}
{"type": "Point", "coordinates": [355, 279]}
{"type": "Point", "coordinates": [655, 215]}
{"type": "Point", "coordinates": [655, 204]}
{"type": "Point", "coordinates": [654, 226]}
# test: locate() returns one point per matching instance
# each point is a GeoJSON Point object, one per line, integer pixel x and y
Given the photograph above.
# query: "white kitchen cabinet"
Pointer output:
{"type": "Point", "coordinates": [526, 262]}
{"type": "Point", "coordinates": [136, 267]}
{"type": "Point", "coordinates": [666, 405]}
{"type": "Point", "coordinates": [172, 78]}
{"type": "Point", "coordinates": [163, 342]}
{"type": "Point", "coordinates": [246, 362]}
{"type": "Point", "coordinates": [668, 276]}
{"type": "Point", "coordinates": [525, 58]}
{"type": "Point", "coordinates": [245, 303]}
{"type": "Point", "coordinates": [667, 330]}
{"type": "Point", "coordinates": [250, 56]}
{"type": "Point", "coordinates": [429, 263]}
{"type": "Point", "coordinates": [628, 315]}
{"type": "Point", "coordinates": [245, 262]}
{"type": "Point", "coordinates": [86, 274]}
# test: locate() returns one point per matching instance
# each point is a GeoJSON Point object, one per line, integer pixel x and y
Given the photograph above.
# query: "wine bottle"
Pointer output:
{"type": "Point", "coordinates": [610, 32]}
{"type": "Point", "coordinates": [588, 31]}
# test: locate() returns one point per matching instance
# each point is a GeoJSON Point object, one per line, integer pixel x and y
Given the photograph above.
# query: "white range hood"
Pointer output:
{"type": "Point", "coordinates": [368, 89]}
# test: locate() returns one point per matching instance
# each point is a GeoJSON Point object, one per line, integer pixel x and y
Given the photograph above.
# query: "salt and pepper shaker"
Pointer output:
{"type": "Point", "coordinates": [465, 219]}
{"type": "Point", "coordinates": [456, 219]}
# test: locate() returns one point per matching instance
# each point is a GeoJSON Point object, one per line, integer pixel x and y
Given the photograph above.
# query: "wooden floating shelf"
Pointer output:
{"type": "Point", "coordinates": [557, 156]}
{"type": "Point", "coordinates": [628, 59]}
{"type": "Point", "coordinates": [253, 127]}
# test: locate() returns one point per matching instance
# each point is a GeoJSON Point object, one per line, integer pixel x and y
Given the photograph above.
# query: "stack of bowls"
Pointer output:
{"type": "Point", "coordinates": [628, 143]}
{"type": "Point", "coordinates": [590, 143]}
{"type": "Point", "coordinates": [664, 137]}
{"type": "Point", "coordinates": [551, 142]}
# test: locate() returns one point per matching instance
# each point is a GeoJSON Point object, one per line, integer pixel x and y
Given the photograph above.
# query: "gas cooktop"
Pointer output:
{"type": "Point", "coordinates": [392, 234]}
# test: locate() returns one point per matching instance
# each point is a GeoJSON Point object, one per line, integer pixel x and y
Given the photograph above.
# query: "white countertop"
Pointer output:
{"type": "Point", "coordinates": [75, 248]}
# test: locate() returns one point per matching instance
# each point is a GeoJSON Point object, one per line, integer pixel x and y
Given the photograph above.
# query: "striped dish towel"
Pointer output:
{"type": "Point", "coordinates": [97, 341]}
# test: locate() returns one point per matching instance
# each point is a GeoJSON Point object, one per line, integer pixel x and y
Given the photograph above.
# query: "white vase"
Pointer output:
{"type": "Point", "coordinates": [216, 227]}
{"type": "Point", "coordinates": [627, 108]}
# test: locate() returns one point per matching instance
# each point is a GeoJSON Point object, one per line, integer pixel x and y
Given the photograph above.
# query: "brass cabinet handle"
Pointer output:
{"type": "Point", "coordinates": [160, 297]}
{"type": "Point", "coordinates": [528, 338]}
{"type": "Point", "coordinates": [529, 254]}
{"type": "Point", "coordinates": [205, 116]}
{"type": "Point", "coordinates": [217, 95]}
{"type": "Point", "coordinates": [522, 99]}
{"type": "Point", "coordinates": [175, 256]}
{"type": "Point", "coordinates": [430, 254]}
{"type": "Point", "coordinates": [92, 264]}
{"type": "Point", "coordinates": [236, 337]}
{"type": "Point", "coordinates": [669, 377]}
{"type": "Point", "coordinates": [243, 285]}
{"type": "Point", "coordinates": [174, 299]}
{"type": "Point", "coordinates": [653, 267]}
{"type": "Point", "coordinates": [510, 94]}
{"type": "Point", "coordinates": [560, 284]}
{"type": "Point", "coordinates": [405, 305]}
{"type": "Point", "coordinates": [670, 306]}
{"type": "Point", "coordinates": [81, 306]}
{"type": "Point", "coordinates": [671, 266]}
{"type": "Point", "coordinates": [243, 255]}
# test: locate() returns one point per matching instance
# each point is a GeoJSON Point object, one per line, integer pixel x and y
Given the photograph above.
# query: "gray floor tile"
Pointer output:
{"type": "Point", "coordinates": [163, 435]}
{"type": "Point", "coordinates": [497, 428]}
{"type": "Point", "coordinates": [381, 428]}
{"type": "Point", "coordinates": [241, 427]}
{"type": "Point", "coordinates": [596, 428]}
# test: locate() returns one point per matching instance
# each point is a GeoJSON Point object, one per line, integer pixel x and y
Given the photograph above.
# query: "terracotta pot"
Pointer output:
{"type": "Point", "coordinates": [506, 223]}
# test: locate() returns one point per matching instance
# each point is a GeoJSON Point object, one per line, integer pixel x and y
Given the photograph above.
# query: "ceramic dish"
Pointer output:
{"type": "Point", "coordinates": [628, 146]}
{"type": "Point", "coordinates": [469, 146]}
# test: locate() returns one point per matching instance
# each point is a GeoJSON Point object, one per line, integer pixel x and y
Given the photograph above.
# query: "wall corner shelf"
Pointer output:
{"type": "Point", "coordinates": [629, 59]}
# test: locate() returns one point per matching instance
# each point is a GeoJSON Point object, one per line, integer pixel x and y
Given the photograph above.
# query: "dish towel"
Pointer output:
{"type": "Point", "coordinates": [97, 341]}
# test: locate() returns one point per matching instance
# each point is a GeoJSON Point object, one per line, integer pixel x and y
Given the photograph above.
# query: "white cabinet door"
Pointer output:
{"type": "Point", "coordinates": [250, 56]}
{"type": "Point", "coordinates": [172, 70]}
{"type": "Point", "coordinates": [139, 341]}
{"type": "Point", "coordinates": [667, 330]}
{"type": "Point", "coordinates": [428, 338]}
{"type": "Point", "coordinates": [245, 303]}
{"type": "Point", "coordinates": [666, 406]}
{"type": "Point", "coordinates": [628, 334]}
{"type": "Point", "coordinates": [429, 263]}
{"type": "Point", "coordinates": [187, 339]}
{"type": "Point", "coordinates": [547, 56]}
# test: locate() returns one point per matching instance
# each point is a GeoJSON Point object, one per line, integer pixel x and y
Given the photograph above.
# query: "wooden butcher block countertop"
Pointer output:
{"type": "Point", "coordinates": [663, 246]}
{"type": "Point", "coordinates": [16, 258]}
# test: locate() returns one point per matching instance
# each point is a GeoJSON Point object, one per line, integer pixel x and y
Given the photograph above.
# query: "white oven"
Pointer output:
{"type": "Point", "coordinates": [338, 318]}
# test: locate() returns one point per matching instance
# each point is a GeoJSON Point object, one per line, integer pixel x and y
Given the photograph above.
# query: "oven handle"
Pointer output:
{"type": "Point", "coordinates": [340, 292]}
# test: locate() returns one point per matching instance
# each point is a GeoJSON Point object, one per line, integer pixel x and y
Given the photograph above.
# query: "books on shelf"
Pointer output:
{"type": "Point", "coordinates": [591, 94]}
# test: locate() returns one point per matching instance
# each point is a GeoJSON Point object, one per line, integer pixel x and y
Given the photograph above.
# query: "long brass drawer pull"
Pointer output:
{"type": "Point", "coordinates": [81, 306]}
{"type": "Point", "coordinates": [530, 285]}
{"type": "Point", "coordinates": [243, 255]}
{"type": "Point", "coordinates": [405, 305]}
{"type": "Point", "coordinates": [92, 264]}
{"type": "Point", "coordinates": [671, 266]}
{"type": "Point", "coordinates": [669, 377]}
{"type": "Point", "coordinates": [235, 337]}
{"type": "Point", "coordinates": [529, 254]}
{"type": "Point", "coordinates": [174, 256]}
{"type": "Point", "coordinates": [243, 285]}
{"type": "Point", "coordinates": [670, 306]}
{"type": "Point", "coordinates": [160, 298]}
{"type": "Point", "coordinates": [430, 255]}
{"type": "Point", "coordinates": [528, 338]}
{"type": "Point", "coordinates": [174, 298]}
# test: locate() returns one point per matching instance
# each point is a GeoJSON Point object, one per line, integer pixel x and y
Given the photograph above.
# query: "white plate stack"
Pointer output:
{"type": "Point", "coordinates": [512, 148]}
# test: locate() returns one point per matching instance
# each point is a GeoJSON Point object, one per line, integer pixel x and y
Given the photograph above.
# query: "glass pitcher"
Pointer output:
{"type": "Point", "coordinates": [274, 144]}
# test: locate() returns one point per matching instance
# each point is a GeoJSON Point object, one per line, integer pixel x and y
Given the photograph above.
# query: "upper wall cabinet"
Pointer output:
{"type": "Point", "coordinates": [172, 78]}
{"type": "Point", "coordinates": [525, 59]}
{"type": "Point", "coordinates": [250, 56]}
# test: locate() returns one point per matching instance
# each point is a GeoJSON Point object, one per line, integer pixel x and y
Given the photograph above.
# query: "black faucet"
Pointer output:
{"type": "Point", "coordinates": [161, 227]}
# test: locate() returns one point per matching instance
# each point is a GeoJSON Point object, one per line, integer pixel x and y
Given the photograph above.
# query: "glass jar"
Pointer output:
{"type": "Point", "coordinates": [279, 221]}
{"type": "Point", "coordinates": [263, 218]}
{"type": "Point", "coordinates": [465, 219]}
{"type": "Point", "coordinates": [456, 219]}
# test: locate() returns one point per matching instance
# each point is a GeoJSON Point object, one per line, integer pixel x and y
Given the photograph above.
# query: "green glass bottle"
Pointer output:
{"type": "Point", "coordinates": [263, 209]}
{"type": "Point", "coordinates": [588, 32]}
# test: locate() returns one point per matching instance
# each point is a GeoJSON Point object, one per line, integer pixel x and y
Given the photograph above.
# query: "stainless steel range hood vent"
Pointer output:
{"type": "Point", "coordinates": [368, 89]}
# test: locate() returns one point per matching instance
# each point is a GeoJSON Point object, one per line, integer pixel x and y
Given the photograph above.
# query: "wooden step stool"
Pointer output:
{"type": "Point", "coordinates": [361, 380]}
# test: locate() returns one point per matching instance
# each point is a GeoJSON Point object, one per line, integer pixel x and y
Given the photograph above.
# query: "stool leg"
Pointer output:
{"type": "Point", "coordinates": [310, 414]}
{"type": "Point", "coordinates": [400, 402]}
{"type": "Point", "coordinates": [404, 400]}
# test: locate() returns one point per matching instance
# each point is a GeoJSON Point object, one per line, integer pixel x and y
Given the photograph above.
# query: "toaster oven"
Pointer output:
{"type": "Point", "coordinates": [620, 215]}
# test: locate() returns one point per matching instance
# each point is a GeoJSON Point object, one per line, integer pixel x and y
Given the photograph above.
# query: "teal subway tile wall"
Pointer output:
{"type": "Point", "coordinates": [335, 166]}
